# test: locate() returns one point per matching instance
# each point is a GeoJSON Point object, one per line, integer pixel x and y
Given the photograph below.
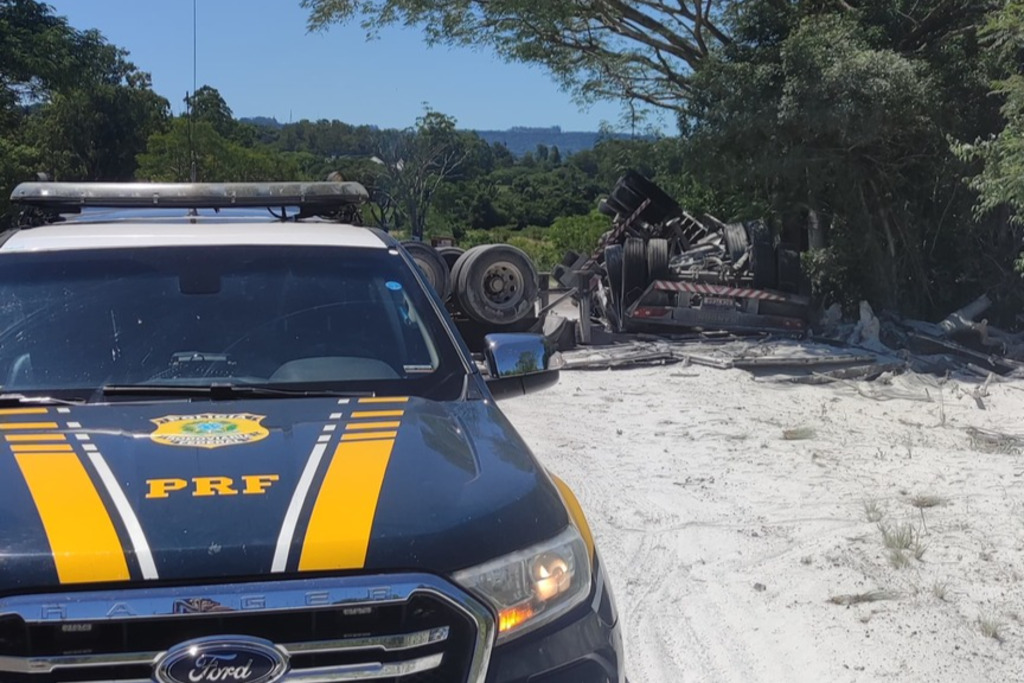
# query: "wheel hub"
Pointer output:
{"type": "Point", "coordinates": [503, 284]}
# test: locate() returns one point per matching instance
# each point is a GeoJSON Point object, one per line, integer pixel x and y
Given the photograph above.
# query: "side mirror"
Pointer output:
{"type": "Point", "coordinates": [519, 364]}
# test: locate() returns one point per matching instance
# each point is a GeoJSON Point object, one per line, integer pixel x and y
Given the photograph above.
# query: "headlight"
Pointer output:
{"type": "Point", "coordinates": [531, 587]}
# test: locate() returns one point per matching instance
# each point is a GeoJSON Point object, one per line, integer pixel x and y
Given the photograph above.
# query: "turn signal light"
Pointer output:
{"type": "Point", "coordinates": [509, 618]}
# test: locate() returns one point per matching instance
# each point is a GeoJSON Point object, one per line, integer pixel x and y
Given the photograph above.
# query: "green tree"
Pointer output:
{"type": "Point", "coordinates": [94, 132]}
{"type": "Point", "coordinates": [415, 162]}
{"type": "Point", "coordinates": [70, 102]}
{"type": "Point", "coordinates": [840, 117]}
{"type": "Point", "coordinates": [207, 104]}
{"type": "Point", "coordinates": [1000, 180]}
{"type": "Point", "coordinates": [168, 157]}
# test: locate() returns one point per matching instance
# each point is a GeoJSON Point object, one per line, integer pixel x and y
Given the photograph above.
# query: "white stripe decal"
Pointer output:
{"type": "Point", "coordinates": [291, 517]}
{"type": "Point", "coordinates": [124, 508]}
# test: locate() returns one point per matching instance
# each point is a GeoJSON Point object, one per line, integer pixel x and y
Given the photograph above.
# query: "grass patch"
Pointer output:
{"type": "Point", "coordinates": [898, 559]}
{"type": "Point", "coordinates": [872, 511]}
{"type": "Point", "coordinates": [940, 589]}
{"type": "Point", "coordinates": [990, 627]}
{"type": "Point", "coordinates": [898, 537]}
{"type": "Point", "coordinates": [798, 434]}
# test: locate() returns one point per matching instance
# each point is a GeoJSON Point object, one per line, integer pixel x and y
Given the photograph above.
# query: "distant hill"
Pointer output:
{"type": "Point", "coordinates": [263, 121]}
{"type": "Point", "coordinates": [519, 140]}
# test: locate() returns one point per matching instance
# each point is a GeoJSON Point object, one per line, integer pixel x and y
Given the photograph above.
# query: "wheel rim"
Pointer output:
{"type": "Point", "coordinates": [503, 285]}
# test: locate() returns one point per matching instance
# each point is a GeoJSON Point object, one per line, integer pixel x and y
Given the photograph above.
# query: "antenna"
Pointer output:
{"type": "Point", "coordinates": [188, 100]}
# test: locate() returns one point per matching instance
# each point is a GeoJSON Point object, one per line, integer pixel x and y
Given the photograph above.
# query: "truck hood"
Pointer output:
{"type": "Point", "coordinates": [198, 490]}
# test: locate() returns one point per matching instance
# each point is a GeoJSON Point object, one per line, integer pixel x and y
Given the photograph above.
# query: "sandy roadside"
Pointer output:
{"type": "Point", "coordinates": [733, 550]}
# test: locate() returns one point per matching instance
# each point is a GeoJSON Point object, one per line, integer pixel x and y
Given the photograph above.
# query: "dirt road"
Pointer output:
{"type": "Point", "coordinates": [764, 532]}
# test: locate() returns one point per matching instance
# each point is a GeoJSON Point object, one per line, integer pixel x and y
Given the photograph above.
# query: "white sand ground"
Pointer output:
{"type": "Point", "coordinates": [726, 541]}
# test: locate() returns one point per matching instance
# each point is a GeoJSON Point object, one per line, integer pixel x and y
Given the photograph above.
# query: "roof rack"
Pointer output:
{"type": "Point", "coordinates": [312, 198]}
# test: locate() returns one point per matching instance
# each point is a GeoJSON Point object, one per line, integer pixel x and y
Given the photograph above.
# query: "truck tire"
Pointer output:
{"type": "Point", "coordinates": [497, 284]}
{"type": "Point", "coordinates": [450, 255]}
{"type": "Point", "coordinates": [433, 267]}
{"type": "Point", "coordinates": [606, 209]}
{"type": "Point", "coordinates": [634, 272]}
{"type": "Point", "coordinates": [662, 206]}
{"type": "Point", "coordinates": [613, 266]}
{"type": "Point", "coordinates": [736, 241]}
{"type": "Point", "coordinates": [657, 259]}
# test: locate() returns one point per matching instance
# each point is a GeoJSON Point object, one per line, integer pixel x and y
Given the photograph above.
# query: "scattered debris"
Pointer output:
{"type": "Point", "coordinates": [662, 271]}
{"type": "Point", "coordinates": [856, 598]}
{"type": "Point", "coordinates": [991, 441]}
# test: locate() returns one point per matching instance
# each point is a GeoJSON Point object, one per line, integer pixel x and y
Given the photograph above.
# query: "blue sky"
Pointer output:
{"type": "Point", "coordinates": [258, 54]}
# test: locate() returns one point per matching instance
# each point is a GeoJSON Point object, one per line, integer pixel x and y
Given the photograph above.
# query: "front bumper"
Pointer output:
{"type": "Point", "coordinates": [583, 646]}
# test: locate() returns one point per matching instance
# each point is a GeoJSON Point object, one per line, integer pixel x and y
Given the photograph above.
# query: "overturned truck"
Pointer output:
{"type": "Point", "coordinates": [662, 269]}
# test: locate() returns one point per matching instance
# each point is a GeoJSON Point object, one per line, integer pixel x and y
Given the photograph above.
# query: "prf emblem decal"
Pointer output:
{"type": "Point", "coordinates": [209, 430]}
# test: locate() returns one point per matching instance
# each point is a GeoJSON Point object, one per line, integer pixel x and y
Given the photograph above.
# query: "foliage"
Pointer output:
{"type": "Point", "coordinates": [71, 104]}
{"type": "Point", "coordinates": [1000, 182]}
{"type": "Point", "coordinates": [843, 115]}
{"type": "Point", "coordinates": [169, 155]}
{"type": "Point", "coordinates": [642, 52]}
{"type": "Point", "coordinates": [413, 165]}
{"type": "Point", "coordinates": [577, 233]}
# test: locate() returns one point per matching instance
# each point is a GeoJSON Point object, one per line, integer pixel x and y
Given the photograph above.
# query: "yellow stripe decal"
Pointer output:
{"type": "Point", "coordinates": [386, 399]}
{"type": "Point", "coordinates": [82, 537]}
{"type": "Point", "coordinates": [22, 411]}
{"type": "Point", "coordinates": [339, 527]}
{"type": "Point", "coordinates": [41, 447]}
{"type": "Point", "coordinates": [35, 437]}
{"type": "Point", "coordinates": [366, 436]}
{"type": "Point", "coordinates": [378, 413]}
{"type": "Point", "coordinates": [372, 425]}
{"type": "Point", "coordinates": [28, 425]}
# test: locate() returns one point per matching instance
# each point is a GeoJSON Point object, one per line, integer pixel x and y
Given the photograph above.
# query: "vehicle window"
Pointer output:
{"type": "Point", "coordinates": [254, 315]}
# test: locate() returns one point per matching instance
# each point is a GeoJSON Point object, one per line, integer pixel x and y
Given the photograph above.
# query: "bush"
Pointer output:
{"type": "Point", "coordinates": [577, 233]}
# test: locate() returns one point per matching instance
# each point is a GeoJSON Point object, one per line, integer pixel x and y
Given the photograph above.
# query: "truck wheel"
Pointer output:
{"type": "Point", "coordinates": [433, 267]}
{"type": "Point", "coordinates": [450, 255]}
{"type": "Point", "coordinates": [657, 259]}
{"type": "Point", "coordinates": [662, 206]}
{"type": "Point", "coordinates": [613, 266]}
{"type": "Point", "coordinates": [497, 284]}
{"type": "Point", "coordinates": [736, 241]}
{"type": "Point", "coordinates": [606, 209]}
{"type": "Point", "coordinates": [634, 272]}
{"type": "Point", "coordinates": [762, 255]}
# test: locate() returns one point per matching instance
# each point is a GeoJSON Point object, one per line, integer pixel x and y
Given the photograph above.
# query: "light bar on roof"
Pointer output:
{"type": "Point", "coordinates": [74, 196]}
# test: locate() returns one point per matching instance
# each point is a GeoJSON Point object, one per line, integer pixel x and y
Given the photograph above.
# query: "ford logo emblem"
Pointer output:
{"type": "Point", "coordinates": [222, 659]}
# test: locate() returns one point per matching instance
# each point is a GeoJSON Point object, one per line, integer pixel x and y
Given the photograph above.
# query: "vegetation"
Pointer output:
{"type": "Point", "coordinates": [884, 138]}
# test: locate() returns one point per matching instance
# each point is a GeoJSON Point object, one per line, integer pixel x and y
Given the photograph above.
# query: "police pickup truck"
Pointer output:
{"type": "Point", "coordinates": [241, 441]}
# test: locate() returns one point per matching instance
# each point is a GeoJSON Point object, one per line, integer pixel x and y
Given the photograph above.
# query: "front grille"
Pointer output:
{"type": "Point", "coordinates": [393, 628]}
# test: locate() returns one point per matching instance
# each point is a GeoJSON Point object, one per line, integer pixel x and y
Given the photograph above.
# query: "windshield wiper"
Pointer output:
{"type": "Point", "coordinates": [225, 391]}
{"type": "Point", "coordinates": [8, 400]}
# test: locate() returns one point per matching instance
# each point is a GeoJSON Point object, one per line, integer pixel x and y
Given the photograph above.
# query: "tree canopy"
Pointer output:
{"type": "Point", "coordinates": [641, 50]}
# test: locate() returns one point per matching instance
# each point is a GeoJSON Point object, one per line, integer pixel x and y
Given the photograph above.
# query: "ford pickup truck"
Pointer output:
{"type": "Point", "coordinates": [241, 445]}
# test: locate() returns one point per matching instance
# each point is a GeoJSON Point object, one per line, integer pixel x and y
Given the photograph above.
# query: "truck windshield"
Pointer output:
{"type": "Point", "coordinates": [309, 317]}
